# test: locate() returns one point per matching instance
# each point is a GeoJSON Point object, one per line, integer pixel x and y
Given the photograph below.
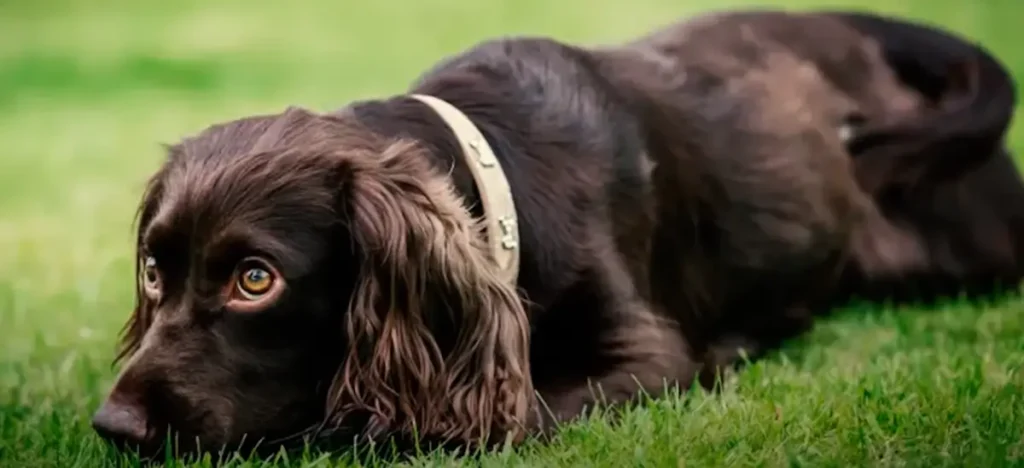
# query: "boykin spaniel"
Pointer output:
{"type": "Point", "coordinates": [537, 227]}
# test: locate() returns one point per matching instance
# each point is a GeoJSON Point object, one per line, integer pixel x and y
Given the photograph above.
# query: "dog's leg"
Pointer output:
{"type": "Point", "coordinates": [758, 336]}
{"type": "Point", "coordinates": [641, 356]}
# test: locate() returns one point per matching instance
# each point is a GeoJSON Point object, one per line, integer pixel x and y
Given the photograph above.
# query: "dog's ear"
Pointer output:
{"type": "Point", "coordinates": [438, 342]}
{"type": "Point", "coordinates": [142, 313]}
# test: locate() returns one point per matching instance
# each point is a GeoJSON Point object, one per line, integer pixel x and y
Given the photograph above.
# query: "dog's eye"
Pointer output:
{"type": "Point", "coordinates": [254, 286]}
{"type": "Point", "coordinates": [150, 276]}
{"type": "Point", "coordinates": [255, 281]}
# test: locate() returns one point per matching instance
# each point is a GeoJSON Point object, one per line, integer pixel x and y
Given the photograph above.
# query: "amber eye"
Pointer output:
{"type": "Point", "coordinates": [150, 276]}
{"type": "Point", "coordinates": [255, 281]}
{"type": "Point", "coordinates": [256, 285]}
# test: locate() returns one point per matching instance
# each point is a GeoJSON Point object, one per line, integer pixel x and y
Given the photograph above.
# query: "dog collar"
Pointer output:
{"type": "Point", "coordinates": [495, 194]}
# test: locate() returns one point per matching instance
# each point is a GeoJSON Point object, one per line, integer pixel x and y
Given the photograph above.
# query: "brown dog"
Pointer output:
{"type": "Point", "coordinates": [302, 271]}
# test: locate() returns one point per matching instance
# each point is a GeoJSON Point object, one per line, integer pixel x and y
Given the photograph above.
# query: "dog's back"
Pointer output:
{"type": "Point", "coordinates": [770, 120]}
{"type": "Point", "coordinates": [758, 128]}
{"type": "Point", "coordinates": [733, 44]}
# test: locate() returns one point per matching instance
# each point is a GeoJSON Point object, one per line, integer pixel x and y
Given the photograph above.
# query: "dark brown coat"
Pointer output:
{"type": "Point", "coordinates": [673, 198]}
{"type": "Point", "coordinates": [942, 175]}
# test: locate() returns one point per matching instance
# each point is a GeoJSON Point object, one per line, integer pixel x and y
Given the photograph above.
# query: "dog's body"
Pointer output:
{"type": "Point", "coordinates": [944, 177]}
{"type": "Point", "coordinates": [928, 114]}
{"type": "Point", "coordinates": [674, 201]}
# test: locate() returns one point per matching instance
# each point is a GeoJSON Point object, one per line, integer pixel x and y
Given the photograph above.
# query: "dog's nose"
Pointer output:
{"type": "Point", "coordinates": [122, 423]}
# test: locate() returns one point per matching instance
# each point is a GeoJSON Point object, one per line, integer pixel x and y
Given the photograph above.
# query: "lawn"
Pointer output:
{"type": "Point", "coordinates": [90, 90]}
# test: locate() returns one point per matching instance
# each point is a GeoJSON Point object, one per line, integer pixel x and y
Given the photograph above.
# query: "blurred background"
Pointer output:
{"type": "Point", "coordinates": [90, 89]}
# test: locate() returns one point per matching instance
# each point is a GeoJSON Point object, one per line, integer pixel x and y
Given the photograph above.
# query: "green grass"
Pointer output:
{"type": "Point", "coordinates": [89, 91]}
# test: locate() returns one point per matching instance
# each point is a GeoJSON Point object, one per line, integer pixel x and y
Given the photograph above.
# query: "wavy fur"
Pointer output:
{"type": "Point", "coordinates": [421, 248]}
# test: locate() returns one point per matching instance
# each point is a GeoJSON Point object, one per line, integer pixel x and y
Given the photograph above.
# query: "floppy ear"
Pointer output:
{"type": "Point", "coordinates": [438, 343]}
{"type": "Point", "coordinates": [142, 314]}
{"type": "Point", "coordinates": [139, 321]}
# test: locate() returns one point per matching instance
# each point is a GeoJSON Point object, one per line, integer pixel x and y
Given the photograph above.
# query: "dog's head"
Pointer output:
{"type": "Point", "coordinates": [297, 272]}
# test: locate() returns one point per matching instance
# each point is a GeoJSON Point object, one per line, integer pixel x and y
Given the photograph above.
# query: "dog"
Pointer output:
{"type": "Point", "coordinates": [659, 204]}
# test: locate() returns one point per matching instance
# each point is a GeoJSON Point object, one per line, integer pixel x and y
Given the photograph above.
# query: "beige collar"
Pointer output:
{"type": "Point", "coordinates": [495, 194]}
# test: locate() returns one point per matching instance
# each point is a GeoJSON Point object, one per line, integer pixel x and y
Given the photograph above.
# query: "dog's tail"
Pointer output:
{"type": "Point", "coordinates": [974, 99]}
